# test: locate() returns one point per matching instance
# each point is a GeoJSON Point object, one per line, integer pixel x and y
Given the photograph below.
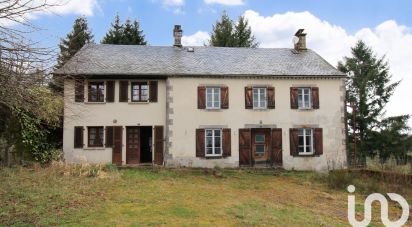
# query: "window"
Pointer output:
{"type": "Point", "coordinates": [305, 138]}
{"type": "Point", "coordinates": [213, 142]}
{"type": "Point", "coordinates": [259, 98]}
{"type": "Point", "coordinates": [96, 91]}
{"type": "Point", "coordinates": [140, 92]}
{"type": "Point", "coordinates": [212, 98]}
{"type": "Point", "coordinates": [95, 137]}
{"type": "Point", "coordinates": [260, 144]}
{"type": "Point", "coordinates": [304, 98]}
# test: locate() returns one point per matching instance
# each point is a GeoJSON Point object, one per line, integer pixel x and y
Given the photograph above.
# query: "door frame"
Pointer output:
{"type": "Point", "coordinates": [248, 133]}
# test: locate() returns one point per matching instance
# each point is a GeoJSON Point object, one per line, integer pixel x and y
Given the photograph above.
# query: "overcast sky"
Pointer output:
{"type": "Point", "coordinates": [333, 27]}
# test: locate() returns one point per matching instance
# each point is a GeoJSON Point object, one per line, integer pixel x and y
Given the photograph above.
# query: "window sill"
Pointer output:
{"type": "Point", "coordinates": [214, 157]}
{"type": "Point", "coordinates": [306, 155]}
{"type": "Point", "coordinates": [97, 103]}
{"type": "Point", "coordinates": [306, 109]}
{"type": "Point", "coordinates": [94, 148]}
{"type": "Point", "coordinates": [261, 109]}
{"type": "Point", "coordinates": [213, 110]}
{"type": "Point", "coordinates": [134, 103]}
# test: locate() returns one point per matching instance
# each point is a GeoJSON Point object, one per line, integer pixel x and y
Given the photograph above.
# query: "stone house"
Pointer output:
{"type": "Point", "coordinates": [204, 106]}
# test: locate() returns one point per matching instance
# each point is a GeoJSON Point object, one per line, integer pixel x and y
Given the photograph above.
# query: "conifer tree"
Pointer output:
{"type": "Point", "coordinates": [74, 41]}
{"type": "Point", "coordinates": [115, 33]}
{"type": "Point", "coordinates": [227, 33]}
{"type": "Point", "coordinates": [368, 88]}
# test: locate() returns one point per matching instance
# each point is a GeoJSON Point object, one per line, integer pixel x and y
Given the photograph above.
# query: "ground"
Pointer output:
{"type": "Point", "coordinates": [104, 196]}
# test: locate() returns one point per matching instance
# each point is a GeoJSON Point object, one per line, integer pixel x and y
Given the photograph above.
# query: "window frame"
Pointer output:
{"type": "Point", "coordinates": [213, 142]}
{"type": "Point", "coordinates": [260, 143]}
{"type": "Point", "coordinates": [213, 101]}
{"type": "Point", "coordinates": [100, 97]}
{"type": "Point", "coordinates": [259, 100]}
{"type": "Point", "coordinates": [97, 136]}
{"type": "Point", "coordinates": [140, 84]}
{"type": "Point", "coordinates": [305, 144]}
{"type": "Point", "coordinates": [301, 98]}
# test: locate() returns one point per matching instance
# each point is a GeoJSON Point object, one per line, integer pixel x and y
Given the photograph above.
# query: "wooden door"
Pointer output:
{"type": "Point", "coordinates": [132, 145]}
{"type": "Point", "coordinates": [158, 145]}
{"type": "Point", "coordinates": [117, 145]}
{"type": "Point", "coordinates": [260, 146]}
{"type": "Point", "coordinates": [276, 146]}
{"type": "Point", "coordinates": [244, 147]}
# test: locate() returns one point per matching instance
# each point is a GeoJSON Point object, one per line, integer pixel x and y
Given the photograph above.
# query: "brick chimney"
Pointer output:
{"type": "Point", "coordinates": [300, 40]}
{"type": "Point", "coordinates": [177, 34]}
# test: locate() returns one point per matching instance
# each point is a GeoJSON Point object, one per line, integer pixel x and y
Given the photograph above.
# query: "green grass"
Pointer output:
{"type": "Point", "coordinates": [104, 196]}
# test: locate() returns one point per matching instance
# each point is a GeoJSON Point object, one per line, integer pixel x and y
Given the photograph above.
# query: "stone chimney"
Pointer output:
{"type": "Point", "coordinates": [177, 34]}
{"type": "Point", "coordinates": [300, 40]}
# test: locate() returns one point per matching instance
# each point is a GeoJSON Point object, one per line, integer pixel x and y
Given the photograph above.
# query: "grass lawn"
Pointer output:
{"type": "Point", "coordinates": [63, 195]}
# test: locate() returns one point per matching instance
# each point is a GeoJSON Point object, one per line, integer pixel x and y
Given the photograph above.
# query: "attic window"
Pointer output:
{"type": "Point", "coordinates": [190, 49]}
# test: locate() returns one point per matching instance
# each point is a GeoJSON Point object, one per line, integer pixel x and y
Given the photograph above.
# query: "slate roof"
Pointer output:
{"type": "Point", "coordinates": [105, 59]}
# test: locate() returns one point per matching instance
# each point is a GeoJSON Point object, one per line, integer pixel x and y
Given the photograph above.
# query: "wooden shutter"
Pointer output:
{"type": "Point", "coordinates": [110, 91]}
{"type": "Point", "coordinates": [318, 138]}
{"type": "Point", "coordinates": [226, 142]}
{"type": "Point", "coordinates": [117, 145]}
{"type": "Point", "coordinates": [78, 137]}
{"type": "Point", "coordinates": [158, 145]}
{"type": "Point", "coordinates": [294, 141]}
{"type": "Point", "coordinates": [123, 91]}
{"type": "Point", "coordinates": [277, 145]}
{"type": "Point", "coordinates": [153, 91]}
{"type": "Point", "coordinates": [248, 98]}
{"type": "Point", "coordinates": [79, 90]}
{"type": "Point", "coordinates": [271, 97]}
{"type": "Point", "coordinates": [224, 97]}
{"type": "Point", "coordinates": [200, 142]}
{"type": "Point", "coordinates": [315, 97]}
{"type": "Point", "coordinates": [293, 97]}
{"type": "Point", "coordinates": [245, 148]}
{"type": "Point", "coordinates": [109, 136]}
{"type": "Point", "coordinates": [201, 97]}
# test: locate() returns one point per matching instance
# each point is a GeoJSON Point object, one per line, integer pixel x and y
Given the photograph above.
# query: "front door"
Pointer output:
{"type": "Point", "coordinates": [260, 145]}
{"type": "Point", "coordinates": [132, 145]}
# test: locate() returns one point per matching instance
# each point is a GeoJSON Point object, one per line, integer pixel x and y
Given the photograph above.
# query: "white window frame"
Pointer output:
{"type": "Point", "coordinates": [305, 142]}
{"type": "Point", "coordinates": [259, 101]}
{"type": "Point", "coordinates": [213, 142]}
{"type": "Point", "coordinates": [130, 92]}
{"type": "Point", "coordinates": [213, 90]}
{"type": "Point", "coordinates": [302, 96]}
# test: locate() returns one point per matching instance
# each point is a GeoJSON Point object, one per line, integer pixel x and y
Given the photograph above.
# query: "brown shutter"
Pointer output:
{"type": "Point", "coordinates": [245, 146]}
{"type": "Point", "coordinates": [158, 145]}
{"type": "Point", "coordinates": [200, 142]}
{"type": "Point", "coordinates": [201, 97]}
{"type": "Point", "coordinates": [117, 145]}
{"type": "Point", "coordinates": [248, 98]}
{"type": "Point", "coordinates": [226, 142]}
{"type": "Point", "coordinates": [79, 90]}
{"type": "Point", "coordinates": [318, 137]}
{"type": "Point", "coordinates": [277, 145]}
{"type": "Point", "coordinates": [123, 88]}
{"type": "Point", "coordinates": [109, 136]}
{"type": "Point", "coordinates": [110, 91]}
{"type": "Point", "coordinates": [294, 141]}
{"type": "Point", "coordinates": [271, 97]}
{"type": "Point", "coordinates": [153, 91]}
{"type": "Point", "coordinates": [224, 97]}
{"type": "Point", "coordinates": [293, 97]}
{"type": "Point", "coordinates": [315, 98]}
{"type": "Point", "coordinates": [78, 137]}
